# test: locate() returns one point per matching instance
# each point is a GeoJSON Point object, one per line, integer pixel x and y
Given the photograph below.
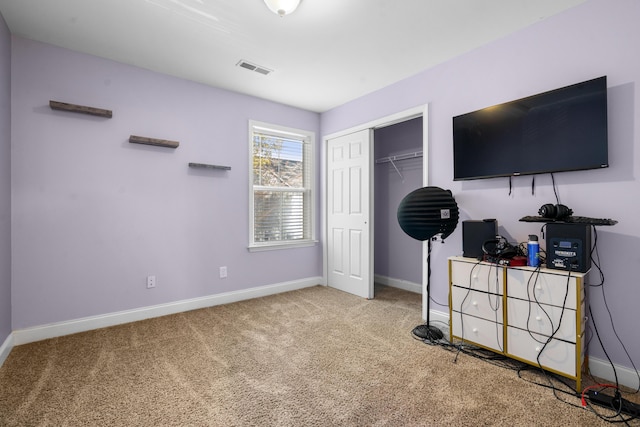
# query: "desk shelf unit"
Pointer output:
{"type": "Point", "coordinates": [536, 317]}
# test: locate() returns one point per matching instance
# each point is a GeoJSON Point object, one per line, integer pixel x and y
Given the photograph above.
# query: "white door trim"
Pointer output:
{"type": "Point", "coordinates": [419, 111]}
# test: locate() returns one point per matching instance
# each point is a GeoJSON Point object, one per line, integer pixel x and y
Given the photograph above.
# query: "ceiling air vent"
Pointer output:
{"type": "Point", "coordinates": [254, 67]}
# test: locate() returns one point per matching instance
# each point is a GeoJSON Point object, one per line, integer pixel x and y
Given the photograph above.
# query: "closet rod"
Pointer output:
{"type": "Point", "coordinates": [399, 157]}
{"type": "Point", "coordinates": [393, 159]}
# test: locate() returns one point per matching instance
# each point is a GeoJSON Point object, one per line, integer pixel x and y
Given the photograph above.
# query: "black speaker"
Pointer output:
{"type": "Point", "coordinates": [474, 234]}
{"type": "Point", "coordinates": [569, 246]}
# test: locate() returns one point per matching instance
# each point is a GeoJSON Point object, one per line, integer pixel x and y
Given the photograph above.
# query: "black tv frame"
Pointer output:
{"type": "Point", "coordinates": [556, 131]}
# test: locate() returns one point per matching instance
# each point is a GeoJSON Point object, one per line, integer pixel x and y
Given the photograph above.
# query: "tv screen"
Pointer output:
{"type": "Point", "coordinates": [556, 131]}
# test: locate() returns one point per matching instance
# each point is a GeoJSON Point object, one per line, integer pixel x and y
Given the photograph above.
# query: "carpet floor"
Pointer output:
{"type": "Point", "coordinates": [312, 357]}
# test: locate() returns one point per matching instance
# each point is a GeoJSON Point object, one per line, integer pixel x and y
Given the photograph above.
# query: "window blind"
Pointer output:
{"type": "Point", "coordinates": [281, 187]}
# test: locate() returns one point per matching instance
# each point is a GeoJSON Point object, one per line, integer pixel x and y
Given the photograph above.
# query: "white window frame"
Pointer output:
{"type": "Point", "coordinates": [309, 140]}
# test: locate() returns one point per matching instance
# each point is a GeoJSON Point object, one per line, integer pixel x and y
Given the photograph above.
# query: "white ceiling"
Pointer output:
{"type": "Point", "coordinates": [326, 53]}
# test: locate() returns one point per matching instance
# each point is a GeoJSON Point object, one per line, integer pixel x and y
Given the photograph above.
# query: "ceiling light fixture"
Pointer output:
{"type": "Point", "coordinates": [282, 7]}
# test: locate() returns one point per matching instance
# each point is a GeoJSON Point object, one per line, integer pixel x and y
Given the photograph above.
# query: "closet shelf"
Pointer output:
{"type": "Point", "coordinates": [83, 109]}
{"type": "Point", "coordinates": [153, 141]}
{"type": "Point", "coordinates": [394, 159]}
{"type": "Point", "coordinates": [399, 157]}
{"type": "Point", "coordinates": [206, 166]}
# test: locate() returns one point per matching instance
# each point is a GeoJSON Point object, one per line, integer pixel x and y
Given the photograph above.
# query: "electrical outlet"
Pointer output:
{"type": "Point", "coordinates": [151, 282]}
{"type": "Point", "coordinates": [223, 272]}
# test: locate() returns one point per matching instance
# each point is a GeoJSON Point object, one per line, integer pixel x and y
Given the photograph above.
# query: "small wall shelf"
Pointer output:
{"type": "Point", "coordinates": [63, 106]}
{"type": "Point", "coordinates": [206, 166]}
{"type": "Point", "coordinates": [153, 141]}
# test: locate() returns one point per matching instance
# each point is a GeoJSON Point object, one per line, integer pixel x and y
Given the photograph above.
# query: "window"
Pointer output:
{"type": "Point", "coordinates": [281, 197]}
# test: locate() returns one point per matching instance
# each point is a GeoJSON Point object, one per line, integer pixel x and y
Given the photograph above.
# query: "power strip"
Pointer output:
{"type": "Point", "coordinates": [613, 403]}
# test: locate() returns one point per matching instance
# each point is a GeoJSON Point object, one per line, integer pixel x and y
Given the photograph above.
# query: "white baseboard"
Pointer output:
{"type": "Point", "coordinates": [398, 283]}
{"type": "Point", "coordinates": [6, 348]}
{"type": "Point", "coordinates": [602, 369]}
{"type": "Point", "coordinates": [440, 320]}
{"type": "Point", "coordinates": [53, 330]}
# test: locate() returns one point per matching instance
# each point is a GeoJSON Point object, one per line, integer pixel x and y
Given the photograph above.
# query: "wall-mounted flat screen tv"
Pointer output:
{"type": "Point", "coordinates": [556, 131]}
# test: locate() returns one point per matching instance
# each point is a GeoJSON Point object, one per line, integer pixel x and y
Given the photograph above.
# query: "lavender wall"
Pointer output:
{"type": "Point", "coordinates": [5, 181]}
{"type": "Point", "coordinates": [594, 39]}
{"type": "Point", "coordinates": [397, 256]}
{"type": "Point", "coordinates": [95, 214]}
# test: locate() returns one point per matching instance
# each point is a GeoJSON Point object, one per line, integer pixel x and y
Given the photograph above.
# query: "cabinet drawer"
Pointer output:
{"type": "Point", "coordinates": [481, 277]}
{"type": "Point", "coordinates": [557, 355]}
{"type": "Point", "coordinates": [478, 304]}
{"type": "Point", "coordinates": [519, 312]}
{"type": "Point", "coordinates": [480, 331]}
{"type": "Point", "coordinates": [545, 288]}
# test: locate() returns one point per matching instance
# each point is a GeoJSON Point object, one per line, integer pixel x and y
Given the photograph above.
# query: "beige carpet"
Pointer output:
{"type": "Point", "coordinates": [313, 357]}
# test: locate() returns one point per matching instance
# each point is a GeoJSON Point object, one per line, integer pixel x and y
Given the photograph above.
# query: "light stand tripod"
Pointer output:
{"type": "Point", "coordinates": [426, 331]}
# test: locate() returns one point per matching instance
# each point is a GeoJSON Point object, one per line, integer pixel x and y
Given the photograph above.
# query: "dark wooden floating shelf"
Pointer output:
{"type": "Point", "coordinates": [63, 106]}
{"type": "Point", "coordinates": [206, 166]}
{"type": "Point", "coordinates": [153, 141]}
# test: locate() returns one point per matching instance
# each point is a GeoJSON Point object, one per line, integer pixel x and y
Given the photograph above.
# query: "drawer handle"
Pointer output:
{"type": "Point", "coordinates": [537, 349]}
{"type": "Point", "coordinates": [538, 318]}
{"type": "Point", "coordinates": [539, 288]}
{"type": "Point", "coordinates": [475, 330]}
{"type": "Point", "coordinates": [475, 303]}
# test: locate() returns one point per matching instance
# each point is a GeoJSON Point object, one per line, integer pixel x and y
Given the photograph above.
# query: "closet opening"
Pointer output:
{"type": "Point", "coordinates": [398, 170]}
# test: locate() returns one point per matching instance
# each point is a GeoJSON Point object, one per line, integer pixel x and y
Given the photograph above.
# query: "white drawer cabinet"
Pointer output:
{"type": "Point", "coordinates": [556, 355]}
{"type": "Point", "coordinates": [479, 276]}
{"type": "Point", "coordinates": [533, 316]}
{"type": "Point", "coordinates": [484, 332]}
{"type": "Point", "coordinates": [477, 304]}
{"type": "Point", "coordinates": [542, 319]}
{"type": "Point", "coordinates": [552, 287]}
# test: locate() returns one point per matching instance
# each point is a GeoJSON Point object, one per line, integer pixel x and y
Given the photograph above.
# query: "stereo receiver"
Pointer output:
{"type": "Point", "coordinates": [569, 246]}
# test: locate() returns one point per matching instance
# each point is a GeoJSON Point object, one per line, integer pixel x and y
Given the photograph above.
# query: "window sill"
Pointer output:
{"type": "Point", "coordinates": [258, 247]}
